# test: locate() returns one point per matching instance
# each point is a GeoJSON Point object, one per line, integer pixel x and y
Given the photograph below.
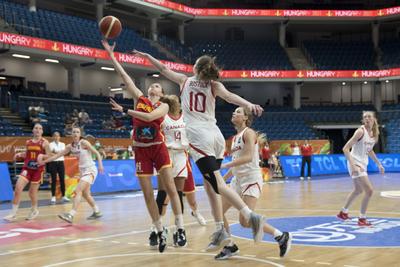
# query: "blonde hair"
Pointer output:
{"type": "Point", "coordinates": [247, 112]}
{"type": "Point", "coordinates": [173, 102]}
{"type": "Point", "coordinates": [261, 139]}
{"type": "Point", "coordinates": [375, 126]}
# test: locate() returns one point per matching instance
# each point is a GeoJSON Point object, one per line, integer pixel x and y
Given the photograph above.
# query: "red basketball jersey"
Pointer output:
{"type": "Point", "coordinates": [147, 132]}
{"type": "Point", "coordinates": [33, 150]}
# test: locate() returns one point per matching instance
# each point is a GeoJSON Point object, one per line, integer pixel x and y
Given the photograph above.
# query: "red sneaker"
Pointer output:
{"type": "Point", "coordinates": [343, 216]}
{"type": "Point", "coordinates": [363, 222]}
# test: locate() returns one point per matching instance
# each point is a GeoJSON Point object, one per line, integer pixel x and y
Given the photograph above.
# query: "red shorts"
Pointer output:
{"type": "Point", "coordinates": [189, 186]}
{"type": "Point", "coordinates": [148, 158]}
{"type": "Point", "coordinates": [33, 176]}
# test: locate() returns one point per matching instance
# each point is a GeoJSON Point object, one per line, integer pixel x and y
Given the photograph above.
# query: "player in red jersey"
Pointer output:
{"type": "Point", "coordinates": [150, 150]}
{"type": "Point", "coordinates": [31, 173]}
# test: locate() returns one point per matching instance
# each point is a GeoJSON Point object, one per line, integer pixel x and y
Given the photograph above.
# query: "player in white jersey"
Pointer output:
{"type": "Point", "coordinates": [207, 142]}
{"type": "Point", "coordinates": [361, 144]}
{"type": "Point", "coordinates": [247, 178]}
{"type": "Point", "coordinates": [83, 150]}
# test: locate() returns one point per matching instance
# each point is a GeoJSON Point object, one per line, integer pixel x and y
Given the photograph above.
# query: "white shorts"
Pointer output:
{"type": "Point", "coordinates": [179, 163]}
{"type": "Point", "coordinates": [247, 186]}
{"type": "Point", "coordinates": [361, 173]}
{"type": "Point", "coordinates": [205, 140]}
{"type": "Point", "coordinates": [88, 174]}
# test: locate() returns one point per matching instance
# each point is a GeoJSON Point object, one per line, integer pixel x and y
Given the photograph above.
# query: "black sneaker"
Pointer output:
{"type": "Point", "coordinates": [285, 242]}
{"type": "Point", "coordinates": [153, 241]}
{"type": "Point", "coordinates": [162, 240]}
{"type": "Point", "coordinates": [180, 238]}
{"type": "Point", "coordinates": [227, 252]}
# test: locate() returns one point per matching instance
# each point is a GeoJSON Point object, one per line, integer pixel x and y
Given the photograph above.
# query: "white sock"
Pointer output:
{"type": "Point", "coordinates": [219, 226]}
{"type": "Point", "coordinates": [158, 225]}
{"type": "Point", "coordinates": [179, 221]}
{"type": "Point", "coordinates": [194, 212]}
{"type": "Point", "coordinates": [96, 209]}
{"type": "Point", "coordinates": [246, 213]}
{"type": "Point", "coordinates": [14, 209]}
{"type": "Point", "coordinates": [345, 210]}
{"type": "Point", "coordinates": [277, 233]}
{"type": "Point", "coordinates": [34, 207]}
{"type": "Point", "coordinates": [72, 212]}
{"type": "Point", "coordinates": [363, 216]}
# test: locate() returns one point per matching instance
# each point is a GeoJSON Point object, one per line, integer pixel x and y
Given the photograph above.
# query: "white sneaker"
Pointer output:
{"type": "Point", "coordinates": [65, 199]}
{"type": "Point", "coordinates": [200, 219]}
{"type": "Point", "coordinates": [32, 215]}
{"type": "Point", "coordinates": [53, 201]}
{"type": "Point", "coordinates": [309, 178]}
{"type": "Point", "coordinates": [302, 178]}
{"type": "Point", "coordinates": [12, 217]}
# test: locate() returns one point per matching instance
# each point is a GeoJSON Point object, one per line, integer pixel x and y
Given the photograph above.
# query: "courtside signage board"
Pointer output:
{"type": "Point", "coordinates": [335, 164]}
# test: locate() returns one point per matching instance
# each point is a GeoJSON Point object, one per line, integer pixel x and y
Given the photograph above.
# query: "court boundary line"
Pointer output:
{"type": "Point", "coordinates": [159, 254]}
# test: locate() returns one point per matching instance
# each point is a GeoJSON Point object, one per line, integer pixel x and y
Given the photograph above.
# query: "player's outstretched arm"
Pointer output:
{"type": "Point", "coordinates": [130, 85]}
{"type": "Point", "coordinates": [176, 77]}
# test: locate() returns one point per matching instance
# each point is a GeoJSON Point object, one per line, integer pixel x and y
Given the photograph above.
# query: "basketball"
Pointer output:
{"type": "Point", "coordinates": [110, 27]}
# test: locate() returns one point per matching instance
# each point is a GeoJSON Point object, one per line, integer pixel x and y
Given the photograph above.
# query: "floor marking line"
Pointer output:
{"type": "Point", "coordinates": [156, 254]}
{"type": "Point", "coordinates": [323, 263]}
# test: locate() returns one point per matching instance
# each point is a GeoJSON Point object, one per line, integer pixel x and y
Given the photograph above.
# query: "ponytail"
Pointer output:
{"type": "Point", "coordinates": [206, 68]}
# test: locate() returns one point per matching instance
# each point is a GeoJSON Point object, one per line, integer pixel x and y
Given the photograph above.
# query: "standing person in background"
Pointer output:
{"type": "Point", "coordinates": [306, 152]}
{"type": "Point", "coordinates": [57, 167]}
{"type": "Point", "coordinates": [265, 152]}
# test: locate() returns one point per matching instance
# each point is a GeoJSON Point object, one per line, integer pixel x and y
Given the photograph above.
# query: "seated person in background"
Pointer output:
{"type": "Point", "coordinates": [75, 115]}
{"type": "Point", "coordinates": [109, 124]}
{"type": "Point", "coordinates": [68, 129]}
{"type": "Point", "coordinates": [84, 118]}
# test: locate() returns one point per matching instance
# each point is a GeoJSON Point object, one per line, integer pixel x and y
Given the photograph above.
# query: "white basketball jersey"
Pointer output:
{"type": "Point", "coordinates": [237, 151]}
{"type": "Point", "coordinates": [198, 102]}
{"type": "Point", "coordinates": [361, 149]}
{"type": "Point", "coordinates": [84, 155]}
{"type": "Point", "coordinates": [175, 133]}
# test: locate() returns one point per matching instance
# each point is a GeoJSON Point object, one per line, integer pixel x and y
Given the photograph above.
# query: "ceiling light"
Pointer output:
{"type": "Point", "coordinates": [20, 56]}
{"type": "Point", "coordinates": [107, 68]}
{"type": "Point", "coordinates": [52, 60]}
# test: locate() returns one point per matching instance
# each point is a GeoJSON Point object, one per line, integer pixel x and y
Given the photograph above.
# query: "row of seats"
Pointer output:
{"type": "Point", "coordinates": [70, 29]}
{"type": "Point", "coordinates": [334, 55]}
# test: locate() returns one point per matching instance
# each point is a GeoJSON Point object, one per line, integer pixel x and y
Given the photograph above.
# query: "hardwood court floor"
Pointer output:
{"type": "Point", "coordinates": [120, 237]}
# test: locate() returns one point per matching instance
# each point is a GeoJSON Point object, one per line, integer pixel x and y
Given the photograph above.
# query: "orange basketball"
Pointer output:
{"type": "Point", "coordinates": [110, 27]}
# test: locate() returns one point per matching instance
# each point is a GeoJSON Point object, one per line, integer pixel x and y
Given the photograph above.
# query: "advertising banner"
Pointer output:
{"type": "Point", "coordinates": [214, 12]}
{"type": "Point", "coordinates": [6, 190]}
{"type": "Point", "coordinates": [285, 147]}
{"type": "Point", "coordinates": [335, 164]}
{"type": "Point", "coordinates": [77, 50]}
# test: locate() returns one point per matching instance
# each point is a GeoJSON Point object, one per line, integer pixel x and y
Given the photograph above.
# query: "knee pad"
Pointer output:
{"type": "Point", "coordinates": [207, 166]}
{"type": "Point", "coordinates": [160, 199]}
{"type": "Point", "coordinates": [180, 194]}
